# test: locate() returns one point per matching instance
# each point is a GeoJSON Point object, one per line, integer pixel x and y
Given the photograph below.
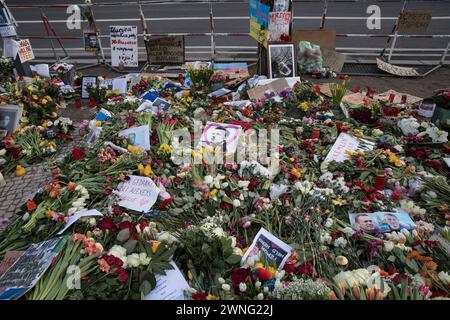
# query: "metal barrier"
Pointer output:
{"type": "Point", "coordinates": [245, 53]}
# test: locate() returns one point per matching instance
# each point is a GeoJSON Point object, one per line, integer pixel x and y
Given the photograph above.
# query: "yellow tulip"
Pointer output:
{"type": "Point", "coordinates": [141, 169]}
{"type": "Point", "coordinates": [20, 171]}
{"type": "Point", "coordinates": [147, 170]}
{"type": "Point", "coordinates": [155, 246]}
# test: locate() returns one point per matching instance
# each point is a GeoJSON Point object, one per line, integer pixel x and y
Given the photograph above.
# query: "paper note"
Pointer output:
{"type": "Point", "coordinates": [344, 143]}
{"type": "Point", "coordinates": [124, 46]}
{"type": "Point", "coordinates": [137, 136]}
{"type": "Point", "coordinates": [120, 84]}
{"type": "Point", "coordinates": [41, 69]}
{"type": "Point", "coordinates": [74, 218]}
{"type": "Point", "coordinates": [276, 86]}
{"type": "Point", "coordinates": [169, 287]}
{"type": "Point", "coordinates": [138, 193]}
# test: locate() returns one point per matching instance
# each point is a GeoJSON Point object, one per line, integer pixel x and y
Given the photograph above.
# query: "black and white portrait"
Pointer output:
{"type": "Point", "coordinates": [281, 6]}
{"type": "Point", "coordinates": [9, 118]}
{"type": "Point", "coordinates": [91, 41]}
{"type": "Point", "coordinates": [281, 60]}
{"type": "Point", "coordinates": [221, 135]}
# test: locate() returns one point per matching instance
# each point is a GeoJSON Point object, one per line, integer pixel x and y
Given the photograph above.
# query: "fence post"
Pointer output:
{"type": "Point", "coordinates": [44, 21]}
{"type": "Point", "coordinates": [444, 55]}
{"type": "Point", "coordinates": [391, 50]}
{"type": "Point", "coordinates": [211, 30]}
{"type": "Point", "coordinates": [324, 14]}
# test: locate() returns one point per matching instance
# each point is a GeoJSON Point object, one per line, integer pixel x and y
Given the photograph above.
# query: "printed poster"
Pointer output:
{"type": "Point", "coordinates": [259, 22]}
{"type": "Point", "coordinates": [280, 23]}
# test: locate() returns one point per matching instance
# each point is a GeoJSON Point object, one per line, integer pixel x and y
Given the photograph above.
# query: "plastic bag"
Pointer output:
{"type": "Point", "coordinates": [309, 57]}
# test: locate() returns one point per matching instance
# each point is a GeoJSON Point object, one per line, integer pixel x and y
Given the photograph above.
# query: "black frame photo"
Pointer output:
{"type": "Point", "coordinates": [9, 118]}
{"type": "Point", "coordinates": [281, 60]}
{"type": "Point", "coordinates": [85, 84]}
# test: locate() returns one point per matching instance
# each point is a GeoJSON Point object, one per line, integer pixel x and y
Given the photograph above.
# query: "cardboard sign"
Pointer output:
{"type": "Point", "coordinates": [398, 97]}
{"type": "Point", "coordinates": [344, 143]}
{"type": "Point", "coordinates": [280, 24]}
{"type": "Point", "coordinates": [276, 86]}
{"type": "Point", "coordinates": [333, 59]}
{"type": "Point", "coordinates": [270, 246]}
{"type": "Point", "coordinates": [138, 193]}
{"type": "Point", "coordinates": [395, 70]}
{"type": "Point", "coordinates": [29, 268]}
{"type": "Point", "coordinates": [124, 46]}
{"type": "Point", "coordinates": [169, 287]}
{"type": "Point", "coordinates": [355, 98]}
{"type": "Point", "coordinates": [167, 50]}
{"type": "Point", "coordinates": [25, 51]}
{"type": "Point", "coordinates": [10, 258]}
{"type": "Point", "coordinates": [325, 38]}
{"type": "Point", "coordinates": [137, 136]}
{"type": "Point", "coordinates": [414, 21]}
{"type": "Point", "coordinates": [259, 22]}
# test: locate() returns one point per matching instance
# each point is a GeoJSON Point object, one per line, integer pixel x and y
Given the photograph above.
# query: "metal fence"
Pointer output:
{"type": "Point", "coordinates": [46, 46]}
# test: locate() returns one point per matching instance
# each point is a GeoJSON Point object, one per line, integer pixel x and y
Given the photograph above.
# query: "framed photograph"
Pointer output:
{"type": "Point", "coordinates": [9, 118]}
{"type": "Point", "coordinates": [91, 41]}
{"type": "Point", "coordinates": [281, 60]}
{"type": "Point", "coordinates": [86, 82]}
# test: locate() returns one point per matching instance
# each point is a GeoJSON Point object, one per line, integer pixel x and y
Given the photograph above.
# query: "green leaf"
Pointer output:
{"type": "Point", "coordinates": [233, 259]}
{"type": "Point", "coordinates": [130, 245]}
{"type": "Point", "coordinates": [145, 287]}
{"type": "Point", "coordinates": [123, 235]}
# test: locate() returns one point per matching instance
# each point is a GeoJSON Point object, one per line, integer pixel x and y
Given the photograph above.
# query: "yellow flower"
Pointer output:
{"type": "Point", "coordinates": [190, 276]}
{"type": "Point", "coordinates": [211, 297]}
{"type": "Point", "coordinates": [48, 98]}
{"type": "Point", "coordinates": [155, 246]}
{"type": "Point", "coordinates": [349, 153]}
{"type": "Point", "coordinates": [35, 97]}
{"type": "Point", "coordinates": [303, 106]}
{"type": "Point", "coordinates": [134, 149]}
{"type": "Point", "coordinates": [341, 260]}
{"type": "Point", "coordinates": [296, 173]}
{"type": "Point", "coordinates": [214, 192]}
{"type": "Point", "coordinates": [98, 123]}
{"type": "Point", "coordinates": [20, 171]}
{"type": "Point", "coordinates": [147, 170]}
{"type": "Point", "coordinates": [44, 101]}
{"type": "Point", "coordinates": [291, 159]}
{"type": "Point", "coordinates": [258, 265]}
{"type": "Point", "coordinates": [339, 202]}
{"type": "Point", "coordinates": [358, 133]}
{"type": "Point", "coordinates": [272, 271]}
{"type": "Point", "coordinates": [141, 169]}
{"type": "Point", "coordinates": [165, 149]}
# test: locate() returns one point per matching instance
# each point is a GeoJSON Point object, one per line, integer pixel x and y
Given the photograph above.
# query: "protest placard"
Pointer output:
{"type": "Point", "coordinates": [396, 70]}
{"type": "Point", "coordinates": [270, 246]}
{"type": "Point", "coordinates": [124, 46]}
{"type": "Point", "coordinates": [259, 22]}
{"type": "Point", "coordinates": [279, 25]}
{"type": "Point", "coordinates": [28, 269]}
{"type": "Point", "coordinates": [414, 21]}
{"type": "Point", "coordinates": [166, 50]}
{"type": "Point", "coordinates": [138, 193]}
{"type": "Point", "coordinates": [25, 51]}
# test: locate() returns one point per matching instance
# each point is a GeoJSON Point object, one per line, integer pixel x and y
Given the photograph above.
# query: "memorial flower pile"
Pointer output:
{"type": "Point", "coordinates": [309, 211]}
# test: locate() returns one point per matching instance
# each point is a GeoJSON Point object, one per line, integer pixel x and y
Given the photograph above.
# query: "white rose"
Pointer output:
{"type": "Point", "coordinates": [144, 259]}
{"type": "Point", "coordinates": [221, 280]}
{"type": "Point", "coordinates": [226, 287]}
{"type": "Point", "coordinates": [242, 287]}
{"type": "Point", "coordinates": [388, 246]}
{"type": "Point", "coordinates": [236, 203]}
{"type": "Point", "coordinates": [260, 296]}
{"type": "Point", "coordinates": [133, 260]}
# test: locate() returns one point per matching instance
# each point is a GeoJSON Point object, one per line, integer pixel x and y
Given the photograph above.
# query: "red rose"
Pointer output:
{"type": "Point", "coordinates": [241, 275]}
{"type": "Point", "coordinates": [107, 224]}
{"type": "Point", "coordinates": [253, 184]}
{"type": "Point", "coordinates": [263, 274]}
{"type": "Point", "coordinates": [226, 206]}
{"type": "Point", "coordinates": [164, 204]}
{"type": "Point", "coordinates": [289, 268]}
{"type": "Point", "coordinates": [77, 154]}
{"type": "Point", "coordinates": [123, 276]}
{"type": "Point", "coordinates": [199, 296]}
{"type": "Point", "coordinates": [78, 103]}
{"type": "Point", "coordinates": [92, 103]}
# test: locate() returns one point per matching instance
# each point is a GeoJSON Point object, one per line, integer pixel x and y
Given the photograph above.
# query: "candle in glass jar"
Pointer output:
{"type": "Point", "coordinates": [391, 97]}
{"type": "Point", "coordinates": [404, 98]}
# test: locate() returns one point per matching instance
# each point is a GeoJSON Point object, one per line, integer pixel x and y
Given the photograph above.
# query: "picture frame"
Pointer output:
{"type": "Point", "coordinates": [86, 81]}
{"type": "Point", "coordinates": [281, 60]}
{"type": "Point", "coordinates": [91, 41]}
{"type": "Point", "coordinates": [9, 118]}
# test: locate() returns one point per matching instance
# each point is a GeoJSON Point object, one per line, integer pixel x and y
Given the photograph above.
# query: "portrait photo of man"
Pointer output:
{"type": "Point", "coordinates": [91, 42]}
{"type": "Point", "coordinates": [365, 223]}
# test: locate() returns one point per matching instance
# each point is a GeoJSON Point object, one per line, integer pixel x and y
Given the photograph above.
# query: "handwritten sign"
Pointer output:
{"type": "Point", "coordinates": [138, 193]}
{"type": "Point", "coordinates": [273, 248]}
{"type": "Point", "coordinates": [259, 22]}
{"type": "Point", "coordinates": [169, 287]}
{"type": "Point", "coordinates": [414, 21]}
{"type": "Point", "coordinates": [25, 51]}
{"type": "Point", "coordinates": [344, 143]}
{"type": "Point", "coordinates": [124, 46]}
{"type": "Point", "coordinates": [395, 70]}
{"type": "Point", "coordinates": [280, 23]}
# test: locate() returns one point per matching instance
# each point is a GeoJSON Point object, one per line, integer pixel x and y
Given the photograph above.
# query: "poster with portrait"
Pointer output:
{"type": "Point", "coordinates": [279, 25]}
{"type": "Point", "coordinates": [124, 46]}
{"type": "Point", "coordinates": [138, 137]}
{"type": "Point", "coordinates": [222, 135]}
{"type": "Point", "coordinates": [91, 41]}
{"type": "Point", "coordinates": [374, 222]}
{"type": "Point", "coordinates": [9, 119]}
{"type": "Point", "coordinates": [281, 60]}
{"type": "Point", "coordinates": [281, 5]}
{"type": "Point", "coordinates": [265, 243]}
